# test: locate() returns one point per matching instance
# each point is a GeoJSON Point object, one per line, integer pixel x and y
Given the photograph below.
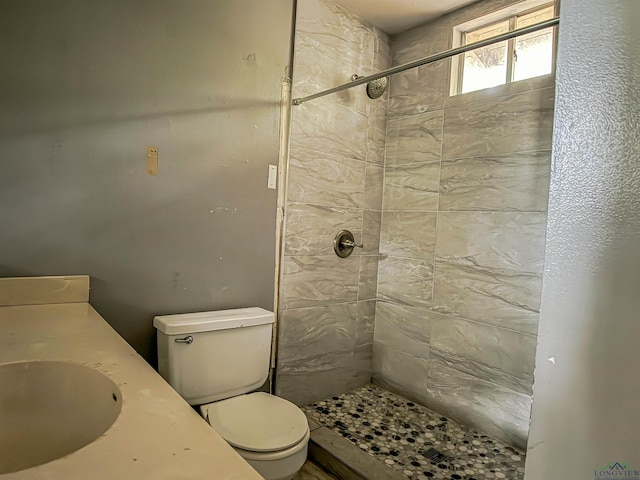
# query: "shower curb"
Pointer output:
{"type": "Point", "coordinates": [344, 459]}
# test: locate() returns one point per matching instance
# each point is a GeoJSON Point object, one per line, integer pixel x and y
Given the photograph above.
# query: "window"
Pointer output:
{"type": "Point", "coordinates": [519, 58]}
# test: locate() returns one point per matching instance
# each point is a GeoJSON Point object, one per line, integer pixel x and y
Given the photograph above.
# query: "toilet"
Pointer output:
{"type": "Point", "coordinates": [214, 360]}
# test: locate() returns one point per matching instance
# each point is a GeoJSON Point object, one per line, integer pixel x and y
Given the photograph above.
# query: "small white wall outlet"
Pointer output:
{"type": "Point", "coordinates": [273, 177]}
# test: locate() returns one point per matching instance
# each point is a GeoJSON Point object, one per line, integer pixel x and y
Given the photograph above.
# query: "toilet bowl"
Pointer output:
{"type": "Point", "coordinates": [269, 432]}
{"type": "Point", "coordinates": [215, 360]}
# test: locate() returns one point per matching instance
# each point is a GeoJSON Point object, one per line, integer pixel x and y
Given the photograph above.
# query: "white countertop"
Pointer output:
{"type": "Point", "coordinates": [157, 435]}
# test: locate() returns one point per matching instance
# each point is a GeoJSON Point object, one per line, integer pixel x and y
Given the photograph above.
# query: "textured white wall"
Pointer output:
{"type": "Point", "coordinates": [587, 379]}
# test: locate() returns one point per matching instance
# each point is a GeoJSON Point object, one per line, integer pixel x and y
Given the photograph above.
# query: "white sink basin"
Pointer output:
{"type": "Point", "coordinates": [51, 409]}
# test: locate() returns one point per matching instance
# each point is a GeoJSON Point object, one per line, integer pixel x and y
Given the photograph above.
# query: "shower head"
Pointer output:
{"type": "Point", "coordinates": [375, 88]}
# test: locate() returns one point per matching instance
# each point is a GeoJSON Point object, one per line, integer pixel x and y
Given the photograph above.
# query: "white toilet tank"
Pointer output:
{"type": "Point", "coordinates": [209, 356]}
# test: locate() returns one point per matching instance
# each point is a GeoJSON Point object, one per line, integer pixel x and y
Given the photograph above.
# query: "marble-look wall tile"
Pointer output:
{"type": "Point", "coordinates": [506, 298]}
{"type": "Point", "coordinates": [507, 89]}
{"type": "Point", "coordinates": [365, 322]}
{"type": "Point", "coordinates": [310, 281]}
{"type": "Point", "coordinates": [411, 187]}
{"type": "Point", "coordinates": [315, 65]}
{"type": "Point", "coordinates": [490, 353]}
{"type": "Point", "coordinates": [371, 232]}
{"type": "Point", "coordinates": [377, 130]}
{"type": "Point", "coordinates": [368, 280]}
{"type": "Point", "coordinates": [306, 332]}
{"type": "Point", "coordinates": [318, 377]}
{"type": "Point", "coordinates": [414, 138]}
{"type": "Point", "coordinates": [363, 364]}
{"type": "Point", "coordinates": [403, 328]}
{"type": "Point", "coordinates": [377, 127]}
{"type": "Point", "coordinates": [337, 145]}
{"type": "Point", "coordinates": [374, 179]}
{"type": "Point", "coordinates": [325, 126]}
{"type": "Point", "coordinates": [405, 281]}
{"type": "Point", "coordinates": [321, 179]}
{"type": "Point", "coordinates": [381, 50]}
{"type": "Point", "coordinates": [326, 19]}
{"type": "Point", "coordinates": [496, 410]}
{"type": "Point", "coordinates": [490, 204]}
{"type": "Point", "coordinates": [513, 181]}
{"type": "Point", "coordinates": [507, 240]}
{"type": "Point", "coordinates": [408, 234]}
{"type": "Point", "coordinates": [324, 29]}
{"type": "Point", "coordinates": [517, 123]}
{"type": "Point", "coordinates": [310, 229]}
{"type": "Point", "coordinates": [377, 109]}
{"type": "Point", "coordinates": [419, 90]}
{"type": "Point", "coordinates": [428, 39]}
{"type": "Point", "coordinates": [400, 372]}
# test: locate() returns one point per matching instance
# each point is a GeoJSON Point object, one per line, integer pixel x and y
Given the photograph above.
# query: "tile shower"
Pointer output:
{"type": "Point", "coordinates": [448, 196]}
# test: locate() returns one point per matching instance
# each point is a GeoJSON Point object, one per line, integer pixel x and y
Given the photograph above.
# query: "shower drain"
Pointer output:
{"type": "Point", "coordinates": [434, 455]}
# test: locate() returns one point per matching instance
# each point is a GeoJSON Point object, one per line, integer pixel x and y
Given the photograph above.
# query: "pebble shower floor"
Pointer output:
{"type": "Point", "coordinates": [414, 440]}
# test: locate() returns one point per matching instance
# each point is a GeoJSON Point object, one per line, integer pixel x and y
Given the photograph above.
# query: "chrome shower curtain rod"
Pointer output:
{"type": "Point", "coordinates": [432, 58]}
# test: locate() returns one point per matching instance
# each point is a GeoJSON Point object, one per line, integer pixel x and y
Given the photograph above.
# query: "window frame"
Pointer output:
{"type": "Point", "coordinates": [511, 14]}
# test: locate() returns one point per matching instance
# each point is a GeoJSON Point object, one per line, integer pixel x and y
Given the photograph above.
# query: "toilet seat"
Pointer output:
{"type": "Point", "coordinates": [277, 455]}
{"type": "Point", "coordinates": [258, 422]}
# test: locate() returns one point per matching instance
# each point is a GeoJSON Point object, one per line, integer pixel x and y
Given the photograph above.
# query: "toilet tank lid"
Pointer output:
{"type": "Point", "coordinates": [208, 321]}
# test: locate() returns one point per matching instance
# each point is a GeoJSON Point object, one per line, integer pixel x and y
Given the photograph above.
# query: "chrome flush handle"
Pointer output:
{"type": "Point", "coordinates": [188, 340]}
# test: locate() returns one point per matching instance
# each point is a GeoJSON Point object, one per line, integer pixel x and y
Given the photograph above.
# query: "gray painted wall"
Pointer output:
{"type": "Point", "coordinates": [327, 304]}
{"type": "Point", "coordinates": [86, 85]}
{"type": "Point", "coordinates": [587, 379]}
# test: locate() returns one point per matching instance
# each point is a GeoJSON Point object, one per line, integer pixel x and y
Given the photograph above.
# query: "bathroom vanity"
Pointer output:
{"type": "Point", "coordinates": [89, 383]}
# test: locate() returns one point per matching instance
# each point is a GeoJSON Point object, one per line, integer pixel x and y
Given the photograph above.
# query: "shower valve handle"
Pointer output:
{"type": "Point", "coordinates": [344, 243]}
{"type": "Point", "coordinates": [351, 243]}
